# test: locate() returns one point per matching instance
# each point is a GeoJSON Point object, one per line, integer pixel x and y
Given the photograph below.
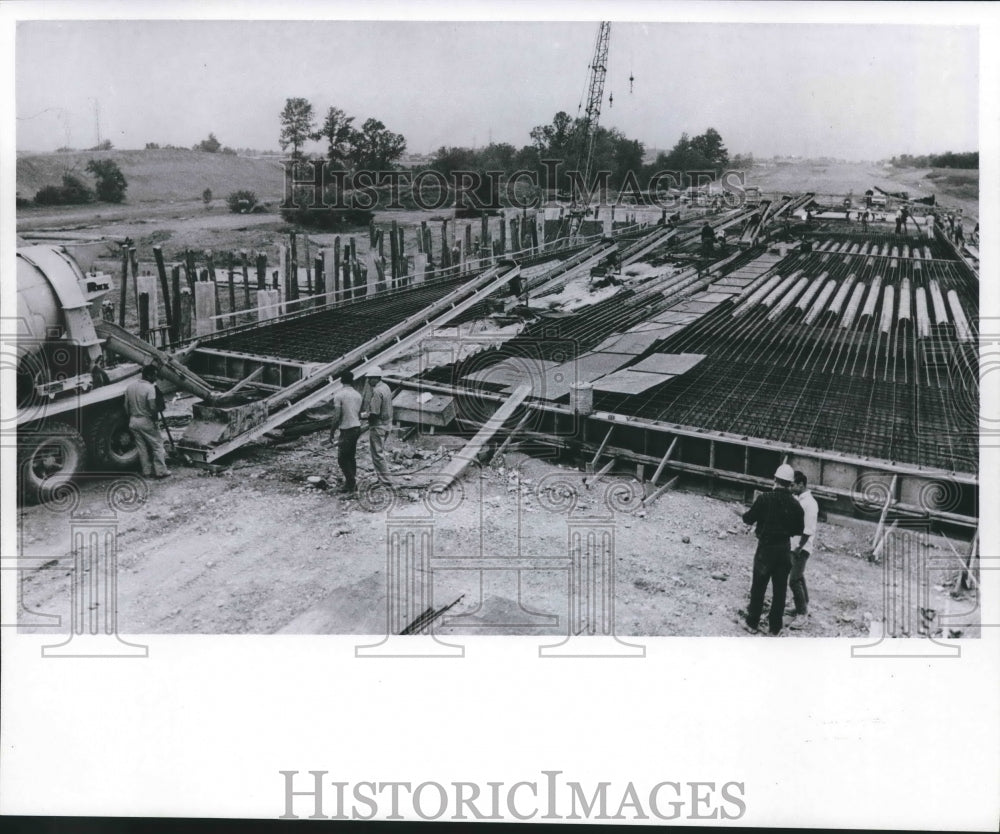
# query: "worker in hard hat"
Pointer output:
{"type": "Point", "coordinates": [801, 548]}
{"type": "Point", "coordinates": [778, 517]}
{"type": "Point", "coordinates": [377, 409]}
{"type": "Point", "coordinates": [142, 404]}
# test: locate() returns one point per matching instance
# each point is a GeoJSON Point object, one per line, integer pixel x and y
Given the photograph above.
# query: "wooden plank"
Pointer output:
{"type": "Point", "coordinates": [514, 433]}
{"type": "Point", "coordinates": [889, 501]}
{"type": "Point", "coordinates": [663, 463]}
{"type": "Point", "coordinates": [461, 461]}
{"type": "Point", "coordinates": [877, 552]}
{"type": "Point", "coordinates": [600, 449]}
{"type": "Point", "coordinates": [965, 575]}
{"type": "Point", "coordinates": [589, 482]}
{"type": "Point", "coordinates": [668, 485]}
{"type": "Point", "coordinates": [244, 382]}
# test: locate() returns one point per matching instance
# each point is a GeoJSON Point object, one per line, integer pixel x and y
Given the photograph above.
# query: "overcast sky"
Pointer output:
{"type": "Point", "coordinates": [856, 92]}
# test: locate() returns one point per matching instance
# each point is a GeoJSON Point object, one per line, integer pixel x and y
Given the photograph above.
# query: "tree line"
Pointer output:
{"type": "Point", "coordinates": [948, 159]}
{"type": "Point", "coordinates": [560, 146]}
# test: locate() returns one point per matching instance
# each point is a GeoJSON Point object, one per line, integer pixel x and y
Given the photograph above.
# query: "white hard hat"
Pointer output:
{"type": "Point", "coordinates": [374, 370]}
{"type": "Point", "coordinates": [785, 473]}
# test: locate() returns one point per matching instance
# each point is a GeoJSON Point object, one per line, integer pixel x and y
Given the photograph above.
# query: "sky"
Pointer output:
{"type": "Point", "coordinates": [845, 91]}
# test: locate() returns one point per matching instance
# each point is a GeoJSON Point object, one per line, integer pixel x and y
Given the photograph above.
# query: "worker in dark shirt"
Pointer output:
{"type": "Point", "coordinates": [778, 517]}
{"type": "Point", "coordinates": [707, 240]}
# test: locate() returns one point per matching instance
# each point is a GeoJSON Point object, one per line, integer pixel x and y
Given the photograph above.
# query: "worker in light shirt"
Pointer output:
{"type": "Point", "coordinates": [801, 547]}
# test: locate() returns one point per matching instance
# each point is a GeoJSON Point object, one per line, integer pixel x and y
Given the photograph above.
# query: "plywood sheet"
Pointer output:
{"type": "Point", "coordinates": [693, 307]}
{"type": "Point", "coordinates": [711, 297]}
{"type": "Point", "coordinates": [585, 368]}
{"type": "Point", "coordinates": [730, 281]}
{"type": "Point", "coordinates": [668, 363]}
{"type": "Point", "coordinates": [629, 382]}
{"type": "Point", "coordinates": [675, 316]}
{"type": "Point", "coordinates": [637, 341]}
{"type": "Point", "coordinates": [511, 371]}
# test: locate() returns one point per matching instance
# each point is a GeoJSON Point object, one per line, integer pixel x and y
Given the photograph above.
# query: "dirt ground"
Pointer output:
{"type": "Point", "coordinates": [256, 550]}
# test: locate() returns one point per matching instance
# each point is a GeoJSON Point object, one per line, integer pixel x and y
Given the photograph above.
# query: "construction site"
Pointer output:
{"type": "Point", "coordinates": [586, 398]}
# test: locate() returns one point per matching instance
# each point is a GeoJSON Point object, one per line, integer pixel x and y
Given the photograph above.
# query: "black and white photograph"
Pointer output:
{"type": "Point", "coordinates": [391, 381]}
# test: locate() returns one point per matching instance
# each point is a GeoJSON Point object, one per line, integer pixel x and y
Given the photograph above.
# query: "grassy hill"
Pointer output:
{"type": "Point", "coordinates": [158, 175]}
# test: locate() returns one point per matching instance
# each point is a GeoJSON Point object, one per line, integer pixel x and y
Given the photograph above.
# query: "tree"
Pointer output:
{"type": "Point", "coordinates": [557, 139]}
{"type": "Point", "coordinates": [374, 147]}
{"type": "Point", "coordinates": [206, 197]}
{"type": "Point", "coordinates": [710, 146]}
{"type": "Point", "coordinates": [111, 183]}
{"type": "Point", "coordinates": [702, 153]}
{"type": "Point", "coordinates": [296, 125]}
{"type": "Point", "coordinates": [209, 145]}
{"type": "Point", "coordinates": [337, 130]}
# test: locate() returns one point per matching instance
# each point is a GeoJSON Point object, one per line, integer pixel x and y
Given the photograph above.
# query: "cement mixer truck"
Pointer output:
{"type": "Point", "coordinates": [66, 424]}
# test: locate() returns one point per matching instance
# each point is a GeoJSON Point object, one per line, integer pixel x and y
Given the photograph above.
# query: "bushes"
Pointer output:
{"type": "Point", "coordinates": [111, 183]}
{"type": "Point", "coordinates": [242, 202]}
{"type": "Point", "coordinates": [71, 192]}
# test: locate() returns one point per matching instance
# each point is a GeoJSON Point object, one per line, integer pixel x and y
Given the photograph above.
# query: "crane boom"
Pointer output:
{"type": "Point", "coordinates": [595, 95]}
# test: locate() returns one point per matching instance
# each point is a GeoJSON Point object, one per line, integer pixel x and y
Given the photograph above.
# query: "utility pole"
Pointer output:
{"type": "Point", "coordinates": [97, 119]}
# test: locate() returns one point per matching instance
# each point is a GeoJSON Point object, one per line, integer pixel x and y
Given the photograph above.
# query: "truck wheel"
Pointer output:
{"type": "Point", "coordinates": [46, 460]}
{"type": "Point", "coordinates": [111, 443]}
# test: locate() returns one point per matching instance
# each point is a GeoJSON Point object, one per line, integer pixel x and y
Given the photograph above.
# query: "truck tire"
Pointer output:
{"type": "Point", "coordinates": [48, 459]}
{"type": "Point", "coordinates": [110, 442]}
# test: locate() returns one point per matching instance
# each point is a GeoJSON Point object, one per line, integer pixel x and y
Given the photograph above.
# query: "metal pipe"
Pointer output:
{"type": "Point", "coordinates": [962, 329]}
{"type": "Point", "coordinates": [888, 298]}
{"type": "Point", "coordinates": [815, 285]}
{"type": "Point", "coordinates": [788, 299]}
{"type": "Point", "coordinates": [872, 300]}
{"type": "Point", "coordinates": [852, 306]}
{"type": "Point", "coordinates": [821, 302]}
{"type": "Point", "coordinates": [904, 299]}
{"type": "Point", "coordinates": [841, 296]}
{"type": "Point", "coordinates": [754, 298]}
{"type": "Point", "coordinates": [940, 310]}
{"type": "Point", "coordinates": [773, 296]}
{"type": "Point", "coordinates": [923, 320]}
